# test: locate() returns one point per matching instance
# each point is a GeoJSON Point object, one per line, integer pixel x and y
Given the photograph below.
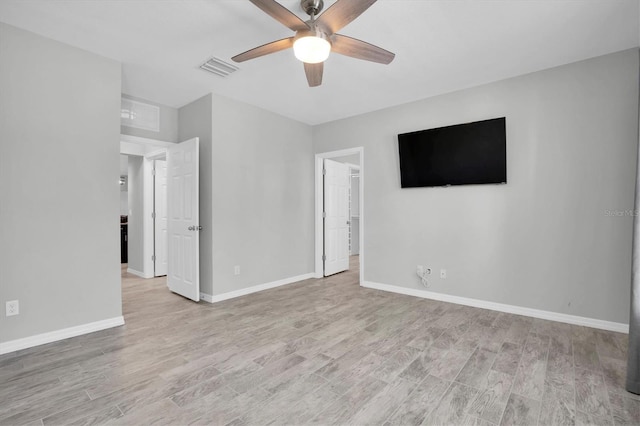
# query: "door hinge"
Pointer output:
{"type": "Point", "coordinates": [153, 215]}
{"type": "Point", "coordinates": [153, 257]}
{"type": "Point", "coordinates": [324, 215]}
{"type": "Point", "coordinates": [324, 171]}
{"type": "Point", "coordinates": [324, 258]}
{"type": "Point", "coordinates": [153, 172]}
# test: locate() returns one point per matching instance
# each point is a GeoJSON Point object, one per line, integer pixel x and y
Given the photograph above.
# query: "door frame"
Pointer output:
{"type": "Point", "coordinates": [149, 150]}
{"type": "Point", "coordinates": [319, 197]}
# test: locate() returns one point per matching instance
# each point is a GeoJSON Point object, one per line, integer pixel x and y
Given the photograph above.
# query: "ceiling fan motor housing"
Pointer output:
{"type": "Point", "coordinates": [313, 31]}
{"type": "Point", "coordinates": [312, 7]}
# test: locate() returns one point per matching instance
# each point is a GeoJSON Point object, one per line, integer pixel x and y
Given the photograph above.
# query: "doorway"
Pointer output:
{"type": "Point", "coordinates": [144, 205]}
{"type": "Point", "coordinates": [135, 219]}
{"type": "Point", "coordinates": [339, 218]}
{"type": "Point", "coordinates": [166, 219]}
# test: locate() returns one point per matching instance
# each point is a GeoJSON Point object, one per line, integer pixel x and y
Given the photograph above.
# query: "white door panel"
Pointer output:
{"type": "Point", "coordinates": [336, 221]}
{"type": "Point", "coordinates": [160, 222]}
{"type": "Point", "coordinates": [183, 227]}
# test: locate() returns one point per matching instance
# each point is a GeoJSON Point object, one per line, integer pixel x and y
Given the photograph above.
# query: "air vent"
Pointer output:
{"type": "Point", "coordinates": [219, 67]}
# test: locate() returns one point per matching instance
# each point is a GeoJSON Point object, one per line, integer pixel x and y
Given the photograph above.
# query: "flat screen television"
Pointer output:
{"type": "Point", "coordinates": [464, 154]}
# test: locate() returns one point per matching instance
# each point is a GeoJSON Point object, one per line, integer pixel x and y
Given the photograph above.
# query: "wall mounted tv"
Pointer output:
{"type": "Point", "coordinates": [464, 154]}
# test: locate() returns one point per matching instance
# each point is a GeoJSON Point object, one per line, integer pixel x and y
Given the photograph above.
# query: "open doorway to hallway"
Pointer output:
{"type": "Point", "coordinates": [339, 230]}
{"type": "Point", "coordinates": [163, 208]}
{"type": "Point", "coordinates": [143, 215]}
{"type": "Point", "coordinates": [143, 205]}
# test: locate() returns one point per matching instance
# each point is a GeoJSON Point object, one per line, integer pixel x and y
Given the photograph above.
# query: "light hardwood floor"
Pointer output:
{"type": "Point", "coordinates": [319, 352]}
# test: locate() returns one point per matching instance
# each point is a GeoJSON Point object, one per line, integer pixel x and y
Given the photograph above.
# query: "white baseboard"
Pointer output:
{"type": "Point", "coordinates": [501, 307]}
{"type": "Point", "coordinates": [254, 289]}
{"type": "Point", "coordinates": [54, 336]}
{"type": "Point", "coordinates": [138, 273]}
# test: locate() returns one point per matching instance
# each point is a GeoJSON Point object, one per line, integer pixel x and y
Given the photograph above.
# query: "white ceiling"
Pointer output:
{"type": "Point", "coordinates": [440, 46]}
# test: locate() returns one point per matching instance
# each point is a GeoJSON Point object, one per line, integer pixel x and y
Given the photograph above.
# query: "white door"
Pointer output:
{"type": "Point", "coordinates": [183, 275]}
{"type": "Point", "coordinates": [336, 220]}
{"type": "Point", "coordinates": [160, 218]}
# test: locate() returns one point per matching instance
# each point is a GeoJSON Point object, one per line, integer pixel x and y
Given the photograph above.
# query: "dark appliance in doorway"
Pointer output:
{"type": "Point", "coordinates": [123, 239]}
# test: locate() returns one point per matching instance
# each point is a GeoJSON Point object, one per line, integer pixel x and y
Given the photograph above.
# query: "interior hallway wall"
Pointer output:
{"type": "Point", "coordinates": [262, 196]}
{"type": "Point", "coordinates": [135, 249]}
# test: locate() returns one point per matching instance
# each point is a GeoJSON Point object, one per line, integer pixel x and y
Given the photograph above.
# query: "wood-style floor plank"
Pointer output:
{"type": "Point", "coordinates": [453, 407]}
{"type": "Point", "coordinates": [591, 393]}
{"type": "Point", "coordinates": [521, 411]}
{"type": "Point", "coordinates": [323, 351]}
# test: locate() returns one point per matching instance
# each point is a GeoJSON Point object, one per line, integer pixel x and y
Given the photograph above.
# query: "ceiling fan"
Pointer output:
{"type": "Point", "coordinates": [317, 37]}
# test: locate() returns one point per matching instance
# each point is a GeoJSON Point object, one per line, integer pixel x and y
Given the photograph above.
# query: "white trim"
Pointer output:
{"type": "Point", "coordinates": [159, 154]}
{"type": "Point", "coordinates": [137, 273]}
{"type": "Point", "coordinates": [145, 141]}
{"type": "Point", "coordinates": [341, 153]}
{"type": "Point", "coordinates": [319, 234]}
{"type": "Point", "coordinates": [319, 267]}
{"type": "Point", "coordinates": [254, 289]}
{"type": "Point", "coordinates": [54, 336]}
{"type": "Point", "coordinates": [133, 145]}
{"type": "Point", "coordinates": [501, 307]}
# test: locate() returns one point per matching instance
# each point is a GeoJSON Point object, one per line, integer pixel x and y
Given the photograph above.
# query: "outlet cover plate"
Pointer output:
{"type": "Point", "coordinates": [12, 308]}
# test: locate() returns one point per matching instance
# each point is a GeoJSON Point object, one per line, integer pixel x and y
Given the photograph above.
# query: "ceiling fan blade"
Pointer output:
{"type": "Point", "coordinates": [265, 49]}
{"type": "Point", "coordinates": [342, 12]}
{"type": "Point", "coordinates": [314, 73]}
{"type": "Point", "coordinates": [359, 49]}
{"type": "Point", "coordinates": [281, 14]}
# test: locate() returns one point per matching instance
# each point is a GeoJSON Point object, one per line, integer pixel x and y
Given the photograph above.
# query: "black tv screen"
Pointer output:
{"type": "Point", "coordinates": [464, 154]}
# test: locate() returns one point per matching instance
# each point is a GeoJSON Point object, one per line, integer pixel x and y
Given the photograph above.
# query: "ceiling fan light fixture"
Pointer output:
{"type": "Point", "coordinates": [311, 49]}
{"type": "Point", "coordinates": [316, 38]}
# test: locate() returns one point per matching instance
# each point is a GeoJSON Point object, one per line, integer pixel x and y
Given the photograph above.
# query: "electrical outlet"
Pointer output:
{"type": "Point", "coordinates": [421, 271]}
{"type": "Point", "coordinates": [12, 308]}
{"type": "Point", "coordinates": [236, 270]}
{"type": "Point", "coordinates": [443, 273]}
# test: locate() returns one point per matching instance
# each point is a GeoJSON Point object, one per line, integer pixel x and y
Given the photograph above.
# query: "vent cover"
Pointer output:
{"type": "Point", "coordinates": [139, 115]}
{"type": "Point", "coordinates": [219, 67]}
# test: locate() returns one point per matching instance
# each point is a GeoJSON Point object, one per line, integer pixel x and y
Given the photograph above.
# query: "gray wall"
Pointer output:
{"type": "Point", "coordinates": [254, 193]}
{"type": "Point", "coordinates": [59, 192]}
{"type": "Point", "coordinates": [262, 196]}
{"type": "Point", "coordinates": [124, 203]}
{"type": "Point", "coordinates": [195, 121]}
{"type": "Point", "coordinates": [135, 229]}
{"type": "Point", "coordinates": [168, 123]}
{"type": "Point", "coordinates": [542, 241]}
